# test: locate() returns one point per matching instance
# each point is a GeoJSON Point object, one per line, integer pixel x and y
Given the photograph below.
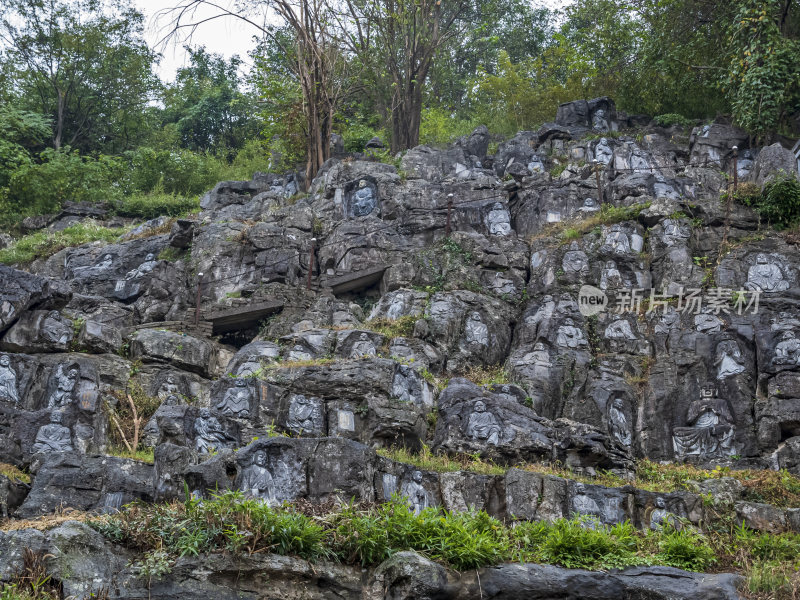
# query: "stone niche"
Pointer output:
{"type": "Point", "coordinates": [361, 198]}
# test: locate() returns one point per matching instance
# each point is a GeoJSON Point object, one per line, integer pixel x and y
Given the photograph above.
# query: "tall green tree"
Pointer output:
{"type": "Point", "coordinates": [516, 27]}
{"type": "Point", "coordinates": [21, 133]}
{"type": "Point", "coordinates": [698, 58]}
{"type": "Point", "coordinates": [86, 69]}
{"type": "Point", "coordinates": [400, 39]}
{"type": "Point", "coordinates": [208, 106]}
{"type": "Point", "coordinates": [763, 79]}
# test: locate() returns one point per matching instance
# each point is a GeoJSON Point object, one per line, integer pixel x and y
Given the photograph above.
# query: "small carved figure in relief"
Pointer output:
{"type": "Point", "coordinates": [236, 401]}
{"type": "Point", "coordinates": [570, 336]}
{"type": "Point", "coordinates": [660, 515]}
{"type": "Point", "coordinates": [710, 431]}
{"type": "Point", "coordinates": [210, 435]}
{"type": "Point", "coordinates": [618, 422]}
{"type": "Point", "coordinates": [416, 494]}
{"type": "Point", "coordinates": [765, 276]}
{"type": "Point", "coordinates": [363, 347]}
{"type": "Point", "coordinates": [54, 437]}
{"type": "Point", "coordinates": [257, 481]}
{"type": "Point", "coordinates": [483, 425]}
{"type": "Point", "coordinates": [8, 381]}
{"type": "Point", "coordinates": [65, 384]}
{"type": "Point", "coordinates": [363, 200]}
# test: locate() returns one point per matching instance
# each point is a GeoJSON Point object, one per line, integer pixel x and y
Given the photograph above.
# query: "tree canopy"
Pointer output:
{"type": "Point", "coordinates": [80, 103]}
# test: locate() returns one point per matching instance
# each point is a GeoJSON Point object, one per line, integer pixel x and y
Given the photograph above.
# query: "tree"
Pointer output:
{"type": "Point", "coordinates": [208, 107]}
{"type": "Point", "coordinates": [515, 27]}
{"type": "Point", "coordinates": [763, 79]}
{"type": "Point", "coordinates": [314, 58]}
{"type": "Point", "coordinates": [698, 58]}
{"type": "Point", "coordinates": [89, 72]}
{"type": "Point", "coordinates": [406, 36]}
{"type": "Point", "coordinates": [21, 132]}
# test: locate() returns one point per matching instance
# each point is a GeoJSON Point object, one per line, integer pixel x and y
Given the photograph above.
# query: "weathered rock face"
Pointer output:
{"type": "Point", "coordinates": [84, 564]}
{"type": "Point", "coordinates": [602, 308]}
{"type": "Point", "coordinates": [773, 161]}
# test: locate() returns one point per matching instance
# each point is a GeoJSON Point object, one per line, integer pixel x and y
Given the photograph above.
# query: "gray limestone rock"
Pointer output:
{"type": "Point", "coordinates": [774, 161]}
{"type": "Point", "coordinates": [21, 291]}
{"type": "Point", "coordinates": [184, 351]}
{"type": "Point", "coordinates": [86, 483]}
{"type": "Point", "coordinates": [39, 331]}
{"type": "Point", "coordinates": [528, 582]}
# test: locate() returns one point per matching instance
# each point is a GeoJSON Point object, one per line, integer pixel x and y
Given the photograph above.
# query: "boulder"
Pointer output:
{"type": "Point", "coordinates": [477, 142]}
{"type": "Point", "coordinates": [182, 350]}
{"type": "Point", "coordinates": [773, 161]}
{"type": "Point", "coordinates": [543, 582]}
{"type": "Point", "coordinates": [86, 483]}
{"type": "Point", "coordinates": [21, 291]}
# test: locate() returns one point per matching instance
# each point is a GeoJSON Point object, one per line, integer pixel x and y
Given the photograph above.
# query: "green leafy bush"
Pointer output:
{"type": "Point", "coordinates": [46, 243]}
{"type": "Point", "coordinates": [358, 134]}
{"type": "Point", "coordinates": [685, 549]}
{"type": "Point", "coordinates": [670, 119]}
{"type": "Point", "coordinates": [155, 204]}
{"type": "Point", "coordinates": [61, 175]}
{"type": "Point", "coordinates": [180, 172]}
{"type": "Point", "coordinates": [439, 126]}
{"type": "Point", "coordinates": [581, 544]}
{"type": "Point", "coordinates": [780, 201]}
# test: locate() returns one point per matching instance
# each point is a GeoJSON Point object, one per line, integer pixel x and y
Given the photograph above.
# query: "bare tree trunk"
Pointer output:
{"type": "Point", "coordinates": [59, 121]}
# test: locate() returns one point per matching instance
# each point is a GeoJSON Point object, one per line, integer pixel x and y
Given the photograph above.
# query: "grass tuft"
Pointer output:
{"type": "Point", "coordinates": [13, 473]}
{"type": "Point", "coordinates": [442, 463]}
{"type": "Point", "coordinates": [392, 328]}
{"type": "Point", "coordinates": [45, 243]}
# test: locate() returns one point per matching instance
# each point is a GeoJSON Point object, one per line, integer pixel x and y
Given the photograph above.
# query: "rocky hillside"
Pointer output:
{"type": "Point", "coordinates": [545, 319]}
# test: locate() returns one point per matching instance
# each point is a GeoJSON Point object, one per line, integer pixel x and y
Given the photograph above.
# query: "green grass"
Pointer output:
{"type": "Point", "coordinates": [369, 534]}
{"type": "Point", "coordinates": [155, 204]}
{"type": "Point", "coordinates": [495, 374]}
{"type": "Point", "coordinates": [13, 473]}
{"type": "Point", "coordinates": [441, 463]}
{"type": "Point", "coordinates": [43, 244]}
{"type": "Point", "coordinates": [569, 234]}
{"type": "Point", "coordinates": [607, 215]}
{"type": "Point", "coordinates": [392, 328]}
{"type": "Point", "coordinates": [142, 454]}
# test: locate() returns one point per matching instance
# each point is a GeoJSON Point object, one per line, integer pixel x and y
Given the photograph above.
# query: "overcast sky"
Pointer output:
{"type": "Point", "coordinates": [222, 36]}
{"type": "Point", "coordinates": [226, 36]}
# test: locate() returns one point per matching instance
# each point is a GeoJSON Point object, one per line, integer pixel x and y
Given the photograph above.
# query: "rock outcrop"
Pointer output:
{"type": "Point", "coordinates": [600, 308]}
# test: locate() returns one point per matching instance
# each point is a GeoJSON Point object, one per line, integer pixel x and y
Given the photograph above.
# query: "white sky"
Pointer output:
{"type": "Point", "coordinates": [226, 36]}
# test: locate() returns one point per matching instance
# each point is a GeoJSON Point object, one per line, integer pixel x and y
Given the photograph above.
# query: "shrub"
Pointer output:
{"type": "Point", "coordinates": [360, 537]}
{"type": "Point", "coordinates": [59, 176]}
{"type": "Point", "coordinates": [181, 172]}
{"type": "Point", "coordinates": [357, 135]}
{"type": "Point", "coordinates": [685, 549]}
{"type": "Point", "coordinates": [439, 126]}
{"type": "Point", "coordinates": [780, 201]}
{"type": "Point", "coordinates": [775, 547]}
{"type": "Point", "coordinates": [584, 543]}
{"type": "Point", "coordinates": [155, 204]}
{"type": "Point", "coordinates": [670, 119]}
{"type": "Point", "coordinates": [46, 243]}
{"type": "Point", "coordinates": [252, 157]}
